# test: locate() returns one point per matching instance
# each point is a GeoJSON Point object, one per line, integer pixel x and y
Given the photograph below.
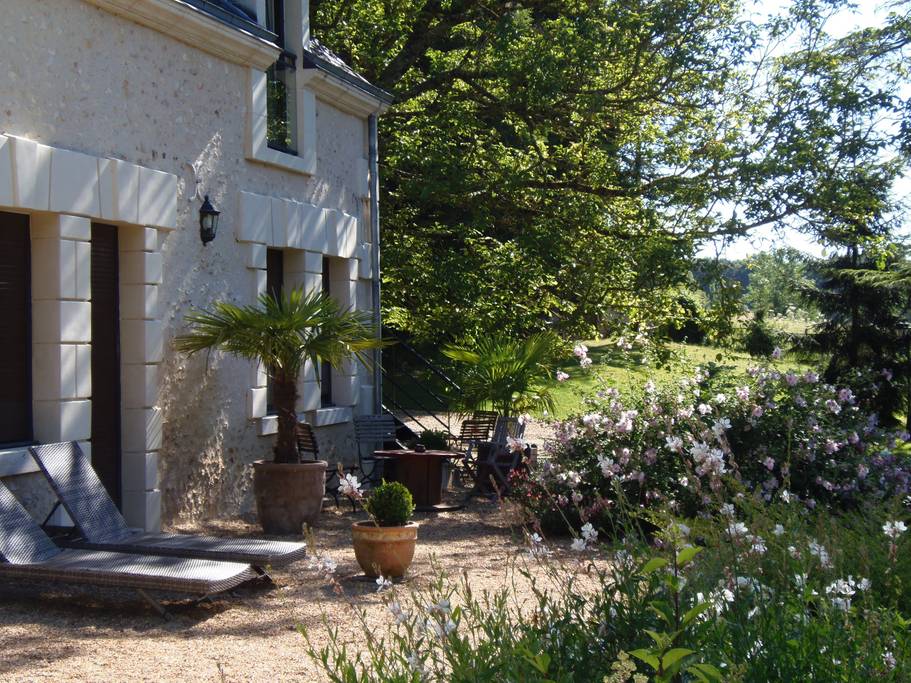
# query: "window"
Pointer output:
{"type": "Point", "coordinates": [281, 111]}
{"type": "Point", "coordinates": [275, 282]}
{"type": "Point", "coordinates": [325, 370]}
{"type": "Point", "coordinates": [15, 332]}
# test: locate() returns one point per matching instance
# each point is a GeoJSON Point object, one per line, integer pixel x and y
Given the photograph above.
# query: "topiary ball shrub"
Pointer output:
{"type": "Point", "coordinates": [434, 440]}
{"type": "Point", "coordinates": [390, 504]}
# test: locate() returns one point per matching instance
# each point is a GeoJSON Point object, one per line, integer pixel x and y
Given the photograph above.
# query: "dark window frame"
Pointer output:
{"type": "Point", "coordinates": [28, 427]}
{"type": "Point", "coordinates": [281, 91]}
{"type": "Point", "coordinates": [275, 283]}
{"type": "Point", "coordinates": [325, 369]}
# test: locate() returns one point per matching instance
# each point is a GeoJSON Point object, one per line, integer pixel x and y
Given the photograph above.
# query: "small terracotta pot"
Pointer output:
{"type": "Point", "coordinates": [288, 495]}
{"type": "Point", "coordinates": [384, 550]}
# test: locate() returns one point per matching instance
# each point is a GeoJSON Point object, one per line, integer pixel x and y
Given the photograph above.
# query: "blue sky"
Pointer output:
{"type": "Point", "coordinates": [866, 13]}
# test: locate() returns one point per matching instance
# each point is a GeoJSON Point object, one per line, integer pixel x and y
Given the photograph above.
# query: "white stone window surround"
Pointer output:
{"type": "Point", "coordinates": [305, 233]}
{"type": "Point", "coordinates": [297, 34]}
{"type": "Point", "coordinates": [63, 191]}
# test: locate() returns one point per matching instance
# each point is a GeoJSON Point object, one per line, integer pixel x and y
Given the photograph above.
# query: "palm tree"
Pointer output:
{"type": "Point", "coordinates": [506, 375]}
{"type": "Point", "coordinates": [283, 333]}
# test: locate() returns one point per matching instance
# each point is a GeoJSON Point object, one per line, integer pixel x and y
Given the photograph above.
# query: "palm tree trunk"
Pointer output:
{"type": "Point", "coordinates": [284, 396]}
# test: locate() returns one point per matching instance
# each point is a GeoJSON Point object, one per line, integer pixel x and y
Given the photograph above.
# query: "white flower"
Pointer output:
{"type": "Point", "coordinates": [889, 659]}
{"type": "Point", "coordinates": [585, 363]}
{"type": "Point", "coordinates": [349, 486]}
{"type": "Point", "coordinates": [442, 607]}
{"type": "Point", "coordinates": [562, 376]}
{"type": "Point", "coordinates": [400, 615]}
{"type": "Point", "coordinates": [323, 564]}
{"type": "Point", "coordinates": [720, 426]}
{"type": "Point", "coordinates": [608, 467]}
{"type": "Point", "coordinates": [743, 393]}
{"type": "Point", "coordinates": [674, 443]}
{"type": "Point", "coordinates": [778, 530]}
{"type": "Point", "coordinates": [578, 544]}
{"type": "Point", "coordinates": [776, 353]}
{"type": "Point", "coordinates": [727, 510]}
{"type": "Point", "coordinates": [382, 582]}
{"type": "Point", "coordinates": [416, 664]}
{"type": "Point", "coordinates": [589, 533]}
{"type": "Point", "coordinates": [704, 408]}
{"type": "Point", "coordinates": [580, 350]}
{"type": "Point", "coordinates": [819, 551]}
{"type": "Point", "coordinates": [894, 529]}
{"type": "Point", "coordinates": [738, 529]}
{"type": "Point", "coordinates": [515, 445]}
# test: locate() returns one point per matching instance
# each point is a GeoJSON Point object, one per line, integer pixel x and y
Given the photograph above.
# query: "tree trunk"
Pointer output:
{"type": "Point", "coordinates": [284, 396]}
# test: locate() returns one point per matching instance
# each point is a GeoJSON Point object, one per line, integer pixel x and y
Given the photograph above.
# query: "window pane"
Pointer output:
{"type": "Point", "coordinates": [15, 332]}
{"type": "Point", "coordinates": [275, 283]}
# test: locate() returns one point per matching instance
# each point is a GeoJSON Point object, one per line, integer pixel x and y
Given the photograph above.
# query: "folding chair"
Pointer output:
{"type": "Point", "coordinates": [471, 434]}
{"type": "Point", "coordinates": [371, 430]}
{"type": "Point", "coordinates": [306, 443]}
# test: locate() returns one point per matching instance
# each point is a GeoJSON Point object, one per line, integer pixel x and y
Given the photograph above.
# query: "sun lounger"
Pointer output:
{"type": "Point", "coordinates": [26, 552]}
{"type": "Point", "coordinates": [102, 527]}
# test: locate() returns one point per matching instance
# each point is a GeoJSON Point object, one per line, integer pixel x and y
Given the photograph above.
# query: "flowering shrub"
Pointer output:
{"type": "Point", "coordinates": [773, 434]}
{"type": "Point", "coordinates": [772, 593]}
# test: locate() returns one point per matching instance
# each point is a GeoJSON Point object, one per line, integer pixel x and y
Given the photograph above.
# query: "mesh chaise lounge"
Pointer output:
{"type": "Point", "coordinates": [102, 527]}
{"type": "Point", "coordinates": [26, 552]}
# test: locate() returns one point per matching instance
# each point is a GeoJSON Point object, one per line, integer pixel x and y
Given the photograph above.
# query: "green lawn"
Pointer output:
{"type": "Point", "coordinates": [611, 368]}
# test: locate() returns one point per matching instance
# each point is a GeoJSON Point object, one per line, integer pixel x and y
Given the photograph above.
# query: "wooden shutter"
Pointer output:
{"type": "Point", "coordinates": [275, 285]}
{"type": "Point", "coordinates": [106, 358]}
{"type": "Point", "coordinates": [15, 330]}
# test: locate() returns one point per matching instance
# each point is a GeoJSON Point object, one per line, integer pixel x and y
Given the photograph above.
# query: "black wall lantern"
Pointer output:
{"type": "Point", "coordinates": [208, 221]}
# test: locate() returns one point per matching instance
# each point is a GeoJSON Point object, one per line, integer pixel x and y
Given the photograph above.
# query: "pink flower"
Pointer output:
{"type": "Point", "coordinates": [846, 395]}
{"type": "Point", "coordinates": [769, 464]}
{"type": "Point", "coordinates": [757, 411]}
{"type": "Point", "coordinates": [580, 351]}
{"type": "Point", "coordinates": [887, 373]}
{"type": "Point", "coordinates": [791, 379]}
{"type": "Point", "coordinates": [586, 362]}
{"type": "Point", "coordinates": [562, 376]}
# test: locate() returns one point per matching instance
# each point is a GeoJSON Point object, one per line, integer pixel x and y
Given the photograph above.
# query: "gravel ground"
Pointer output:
{"type": "Point", "coordinates": [49, 633]}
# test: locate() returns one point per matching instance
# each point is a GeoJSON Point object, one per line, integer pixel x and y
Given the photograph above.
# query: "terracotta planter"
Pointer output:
{"type": "Point", "coordinates": [288, 495]}
{"type": "Point", "coordinates": [384, 550]}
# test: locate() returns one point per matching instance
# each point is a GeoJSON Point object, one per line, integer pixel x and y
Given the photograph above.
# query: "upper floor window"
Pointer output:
{"type": "Point", "coordinates": [281, 110]}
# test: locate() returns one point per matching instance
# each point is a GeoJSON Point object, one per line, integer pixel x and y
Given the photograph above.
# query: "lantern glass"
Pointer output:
{"type": "Point", "coordinates": [208, 221]}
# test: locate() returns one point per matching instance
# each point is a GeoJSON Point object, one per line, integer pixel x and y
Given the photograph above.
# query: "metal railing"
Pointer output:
{"type": "Point", "coordinates": [405, 394]}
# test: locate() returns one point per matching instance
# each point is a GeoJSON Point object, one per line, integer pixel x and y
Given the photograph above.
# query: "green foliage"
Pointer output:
{"type": "Point", "coordinates": [863, 323]}
{"type": "Point", "coordinates": [759, 339]}
{"type": "Point", "coordinates": [776, 278]}
{"type": "Point", "coordinates": [689, 323]}
{"type": "Point", "coordinates": [774, 594]}
{"type": "Point", "coordinates": [433, 439]}
{"type": "Point", "coordinates": [765, 434]}
{"type": "Point", "coordinates": [390, 504]}
{"type": "Point", "coordinates": [558, 160]}
{"type": "Point", "coordinates": [283, 333]}
{"type": "Point", "coordinates": [505, 375]}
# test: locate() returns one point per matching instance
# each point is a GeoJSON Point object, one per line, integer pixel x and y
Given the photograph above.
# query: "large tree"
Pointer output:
{"type": "Point", "coordinates": [557, 160]}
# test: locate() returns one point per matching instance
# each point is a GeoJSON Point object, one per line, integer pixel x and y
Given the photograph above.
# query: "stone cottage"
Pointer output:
{"type": "Point", "coordinates": [118, 119]}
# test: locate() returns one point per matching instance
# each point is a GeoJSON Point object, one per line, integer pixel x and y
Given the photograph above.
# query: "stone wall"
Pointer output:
{"type": "Point", "coordinates": [76, 77]}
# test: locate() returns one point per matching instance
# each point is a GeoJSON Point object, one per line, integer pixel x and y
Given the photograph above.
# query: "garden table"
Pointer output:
{"type": "Point", "coordinates": [422, 474]}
